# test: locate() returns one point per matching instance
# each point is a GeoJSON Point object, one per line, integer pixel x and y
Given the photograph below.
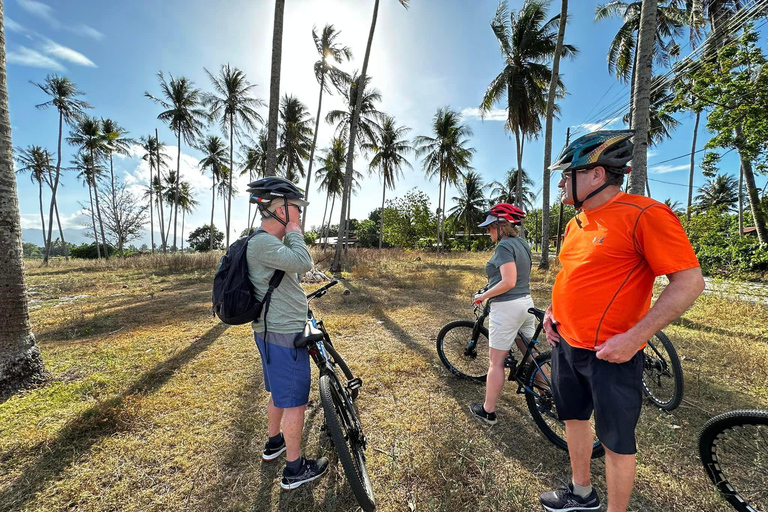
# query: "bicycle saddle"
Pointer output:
{"type": "Point", "coordinates": [310, 334]}
{"type": "Point", "coordinates": [538, 313]}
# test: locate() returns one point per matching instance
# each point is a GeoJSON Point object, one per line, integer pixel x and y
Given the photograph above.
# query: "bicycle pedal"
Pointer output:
{"type": "Point", "coordinates": [355, 383]}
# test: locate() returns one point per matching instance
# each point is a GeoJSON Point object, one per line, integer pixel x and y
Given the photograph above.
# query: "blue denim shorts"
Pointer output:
{"type": "Point", "coordinates": [287, 375]}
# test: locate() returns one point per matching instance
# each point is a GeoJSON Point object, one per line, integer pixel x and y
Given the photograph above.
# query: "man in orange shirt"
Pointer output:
{"type": "Point", "coordinates": [600, 317]}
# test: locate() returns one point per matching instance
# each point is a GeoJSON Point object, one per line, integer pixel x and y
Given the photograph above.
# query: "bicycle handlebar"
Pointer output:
{"type": "Point", "coordinates": [322, 291]}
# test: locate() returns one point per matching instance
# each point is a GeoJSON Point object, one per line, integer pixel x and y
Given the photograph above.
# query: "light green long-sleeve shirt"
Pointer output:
{"type": "Point", "coordinates": [288, 307]}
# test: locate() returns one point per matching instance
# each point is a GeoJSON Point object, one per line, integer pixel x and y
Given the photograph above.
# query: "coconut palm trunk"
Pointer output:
{"type": "Point", "coordinates": [151, 211]}
{"type": "Point", "coordinates": [544, 260]}
{"type": "Point", "coordinates": [231, 172]}
{"type": "Point", "coordinates": [114, 205]}
{"type": "Point", "coordinates": [442, 216]}
{"type": "Point", "coordinates": [274, 89]}
{"type": "Point", "coordinates": [312, 152]}
{"type": "Point", "coordinates": [352, 135]}
{"type": "Point", "coordinates": [322, 224]}
{"type": "Point", "coordinates": [213, 207]}
{"type": "Point", "coordinates": [754, 200]}
{"type": "Point", "coordinates": [98, 208]}
{"type": "Point", "coordinates": [381, 213]}
{"type": "Point", "coordinates": [20, 361]}
{"type": "Point", "coordinates": [61, 233]}
{"type": "Point", "coordinates": [176, 192]}
{"type": "Point", "coordinates": [93, 220]}
{"type": "Point", "coordinates": [330, 219]}
{"type": "Point", "coordinates": [690, 173]}
{"type": "Point", "coordinates": [161, 216]}
{"type": "Point", "coordinates": [183, 217]}
{"type": "Point", "coordinates": [741, 200]}
{"type": "Point", "coordinates": [42, 215]}
{"type": "Point", "coordinates": [55, 189]}
{"type": "Point", "coordinates": [641, 100]}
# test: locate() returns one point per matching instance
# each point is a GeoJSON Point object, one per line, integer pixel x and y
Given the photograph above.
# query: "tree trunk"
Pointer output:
{"type": "Point", "coordinates": [381, 213]}
{"type": "Point", "coordinates": [442, 216]}
{"type": "Point", "coordinates": [647, 185]}
{"type": "Point", "coordinates": [213, 207]}
{"type": "Point", "coordinates": [641, 101]}
{"type": "Point", "coordinates": [114, 207]}
{"type": "Point", "coordinates": [347, 224]}
{"type": "Point", "coordinates": [352, 134]}
{"type": "Point", "coordinates": [151, 212]}
{"type": "Point", "coordinates": [250, 223]}
{"type": "Point", "coordinates": [754, 201]}
{"type": "Point", "coordinates": [312, 152]}
{"type": "Point", "coordinates": [274, 89]}
{"type": "Point", "coordinates": [183, 216]}
{"type": "Point", "coordinates": [231, 172]}
{"type": "Point", "coordinates": [322, 224]}
{"type": "Point", "coordinates": [632, 78]}
{"type": "Point", "coordinates": [93, 221]}
{"type": "Point", "coordinates": [61, 233]}
{"type": "Point", "coordinates": [544, 261]}
{"type": "Point", "coordinates": [42, 215]}
{"type": "Point", "coordinates": [330, 219]}
{"type": "Point", "coordinates": [163, 238]}
{"type": "Point", "coordinates": [439, 204]}
{"type": "Point", "coordinates": [55, 181]}
{"type": "Point", "coordinates": [520, 141]}
{"type": "Point", "coordinates": [176, 192]}
{"type": "Point", "coordinates": [21, 364]}
{"type": "Point", "coordinates": [98, 208]}
{"type": "Point", "coordinates": [690, 173]}
{"type": "Point", "coordinates": [741, 200]}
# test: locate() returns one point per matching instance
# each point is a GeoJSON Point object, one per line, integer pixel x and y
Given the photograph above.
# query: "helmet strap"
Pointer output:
{"type": "Point", "coordinates": [274, 216]}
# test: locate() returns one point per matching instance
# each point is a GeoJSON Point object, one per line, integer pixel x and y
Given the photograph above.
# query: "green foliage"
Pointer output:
{"type": "Point", "coordinates": [88, 251]}
{"type": "Point", "coordinates": [32, 251]}
{"type": "Point", "coordinates": [481, 244]}
{"type": "Point", "coordinates": [408, 219]}
{"type": "Point", "coordinates": [200, 238]}
{"type": "Point", "coordinates": [310, 237]}
{"type": "Point", "coordinates": [368, 233]}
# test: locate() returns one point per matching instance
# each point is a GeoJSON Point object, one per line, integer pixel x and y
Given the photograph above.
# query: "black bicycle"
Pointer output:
{"type": "Point", "coordinates": [463, 348]}
{"type": "Point", "coordinates": [663, 373]}
{"type": "Point", "coordinates": [734, 450]}
{"type": "Point", "coordinates": [337, 394]}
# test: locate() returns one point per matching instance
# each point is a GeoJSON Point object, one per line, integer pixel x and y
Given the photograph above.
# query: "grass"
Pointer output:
{"type": "Point", "coordinates": [154, 405]}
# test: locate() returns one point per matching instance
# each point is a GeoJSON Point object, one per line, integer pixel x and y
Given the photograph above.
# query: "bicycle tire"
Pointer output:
{"type": "Point", "coordinates": [662, 375]}
{"type": "Point", "coordinates": [339, 361]}
{"type": "Point", "coordinates": [734, 429]}
{"type": "Point", "coordinates": [341, 420]}
{"type": "Point", "coordinates": [544, 404]}
{"type": "Point", "coordinates": [453, 339]}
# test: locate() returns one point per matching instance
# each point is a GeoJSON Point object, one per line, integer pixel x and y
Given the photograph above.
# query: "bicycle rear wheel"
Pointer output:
{"type": "Point", "coordinates": [541, 404]}
{"type": "Point", "coordinates": [457, 352]}
{"type": "Point", "coordinates": [662, 374]}
{"type": "Point", "coordinates": [734, 450]}
{"type": "Point", "coordinates": [348, 438]}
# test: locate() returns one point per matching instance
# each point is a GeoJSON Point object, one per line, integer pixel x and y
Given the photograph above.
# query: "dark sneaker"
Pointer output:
{"type": "Point", "coordinates": [478, 411]}
{"type": "Point", "coordinates": [271, 452]}
{"type": "Point", "coordinates": [565, 500]}
{"type": "Point", "coordinates": [310, 469]}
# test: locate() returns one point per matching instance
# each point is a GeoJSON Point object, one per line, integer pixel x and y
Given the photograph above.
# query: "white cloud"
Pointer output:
{"type": "Point", "coordinates": [663, 169]}
{"type": "Point", "coordinates": [28, 57]}
{"type": "Point", "coordinates": [87, 31]}
{"type": "Point", "coordinates": [40, 10]}
{"type": "Point", "coordinates": [62, 52]}
{"type": "Point", "coordinates": [14, 27]}
{"type": "Point", "coordinates": [493, 115]}
{"type": "Point", "coordinates": [652, 153]}
{"type": "Point", "coordinates": [605, 124]}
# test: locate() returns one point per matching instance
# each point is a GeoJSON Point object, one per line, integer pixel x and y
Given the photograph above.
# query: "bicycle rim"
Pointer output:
{"type": "Point", "coordinates": [662, 373]}
{"type": "Point", "coordinates": [734, 450]}
{"type": "Point", "coordinates": [454, 346]}
{"type": "Point", "coordinates": [541, 404]}
{"type": "Point", "coordinates": [347, 435]}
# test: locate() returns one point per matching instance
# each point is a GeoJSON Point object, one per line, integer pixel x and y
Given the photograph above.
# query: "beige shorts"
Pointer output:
{"type": "Point", "coordinates": [507, 319]}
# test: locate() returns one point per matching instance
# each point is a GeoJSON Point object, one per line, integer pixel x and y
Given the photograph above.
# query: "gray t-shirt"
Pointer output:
{"type": "Point", "coordinates": [512, 248]}
{"type": "Point", "coordinates": [288, 307]}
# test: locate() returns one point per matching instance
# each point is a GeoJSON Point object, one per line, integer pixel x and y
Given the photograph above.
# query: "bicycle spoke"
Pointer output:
{"type": "Point", "coordinates": [742, 456]}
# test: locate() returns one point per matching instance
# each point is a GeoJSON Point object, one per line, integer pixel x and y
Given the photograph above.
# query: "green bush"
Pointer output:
{"type": "Point", "coordinates": [89, 252]}
{"type": "Point", "coordinates": [310, 237]}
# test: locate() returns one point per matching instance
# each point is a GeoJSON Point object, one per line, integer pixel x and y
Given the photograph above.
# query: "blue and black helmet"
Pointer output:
{"type": "Point", "coordinates": [264, 191]}
{"type": "Point", "coordinates": [611, 149]}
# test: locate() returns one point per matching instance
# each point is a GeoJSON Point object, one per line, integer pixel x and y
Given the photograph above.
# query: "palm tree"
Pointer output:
{"type": "Point", "coordinates": [389, 151]}
{"type": "Point", "coordinates": [37, 161]}
{"type": "Point", "coordinates": [154, 155]}
{"type": "Point", "coordinates": [20, 361]}
{"type": "Point", "coordinates": [214, 153]}
{"type": "Point", "coordinates": [295, 138]}
{"type": "Point", "coordinates": [234, 107]}
{"type": "Point", "coordinates": [254, 161]}
{"type": "Point", "coordinates": [64, 95]}
{"type": "Point", "coordinates": [550, 112]}
{"type": "Point", "coordinates": [331, 178]}
{"type": "Point", "coordinates": [87, 135]}
{"type": "Point", "coordinates": [187, 203]}
{"type": "Point", "coordinates": [369, 115]}
{"type": "Point", "coordinates": [326, 74]}
{"type": "Point", "coordinates": [718, 191]}
{"type": "Point", "coordinates": [470, 203]}
{"type": "Point", "coordinates": [445, 154]}
{"type": "Point", "coordinates": [349, 174]}
{"type": "Point", "coordinates": [673, 205]}
{"type": "Point", "coordinates": [274, 88]}
{"type": "Point", "coordinates": [184, 117]}
{"type": "Point", "coordinates": [506, 191]}
{"type": "Point", "coordinates": [90, 173]}
{"type": "Point", "coordinates": [115, 141]}
{"type": "Point", "coordinates": [527, 41]}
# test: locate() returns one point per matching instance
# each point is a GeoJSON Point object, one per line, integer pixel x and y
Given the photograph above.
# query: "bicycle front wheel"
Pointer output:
{"type": "Point", "coordinates": [541, 404]}
{"type": "Point", "coordinates": [662, 373]}
{"type": "Point", "coordinates": [734, 450]}
{"type": "Point", "coordinates": [348, 438]}
{"type": "Point", "coordinates": [462, 355]}
{"type": "Point", "coordinates": [339, 361]}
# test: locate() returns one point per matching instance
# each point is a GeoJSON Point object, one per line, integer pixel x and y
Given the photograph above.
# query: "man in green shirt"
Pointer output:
{"type": "Point", "coordinates": [279, 245]}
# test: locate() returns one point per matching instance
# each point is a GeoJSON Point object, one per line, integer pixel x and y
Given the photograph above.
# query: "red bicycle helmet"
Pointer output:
{"type": "Point", "coordinates": [503, 212]}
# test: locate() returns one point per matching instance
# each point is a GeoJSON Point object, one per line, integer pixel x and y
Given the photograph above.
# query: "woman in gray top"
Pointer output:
{"type": "Point", "coordinates": [508, 272]}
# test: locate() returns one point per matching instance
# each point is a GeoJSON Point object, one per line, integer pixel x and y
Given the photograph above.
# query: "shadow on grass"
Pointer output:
{"type": "Point", "coordinates": [100, 421]}
{"type": "Point", "coordinates": [697, 326]}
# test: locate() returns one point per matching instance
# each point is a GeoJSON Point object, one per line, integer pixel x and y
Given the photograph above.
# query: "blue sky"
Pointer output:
{"type": "Point", "coordinates": [438, 53]}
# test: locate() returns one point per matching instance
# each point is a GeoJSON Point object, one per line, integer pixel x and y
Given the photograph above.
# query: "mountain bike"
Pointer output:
{"type": "Point", "coordinates": [734, 451]}
{"type": "Point", "coordinates": [337, 394]}
{"type": "Point", "coordinates": [463, 348]}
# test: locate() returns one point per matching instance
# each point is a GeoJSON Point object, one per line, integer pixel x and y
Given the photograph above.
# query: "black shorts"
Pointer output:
{"type": "Point", "coordinates": [582, 383]}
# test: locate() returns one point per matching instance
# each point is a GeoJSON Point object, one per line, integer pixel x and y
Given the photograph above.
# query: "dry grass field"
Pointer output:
{"type": "Point", "coordinates": [153, 405]}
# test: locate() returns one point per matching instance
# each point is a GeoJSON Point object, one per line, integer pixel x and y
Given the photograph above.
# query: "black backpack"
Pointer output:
{"type": "Point", "coordinates": [234, 298]}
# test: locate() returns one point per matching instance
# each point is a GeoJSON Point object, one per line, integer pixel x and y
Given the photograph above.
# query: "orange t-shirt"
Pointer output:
{"type": "Point", "coordinates": [610, 263]}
